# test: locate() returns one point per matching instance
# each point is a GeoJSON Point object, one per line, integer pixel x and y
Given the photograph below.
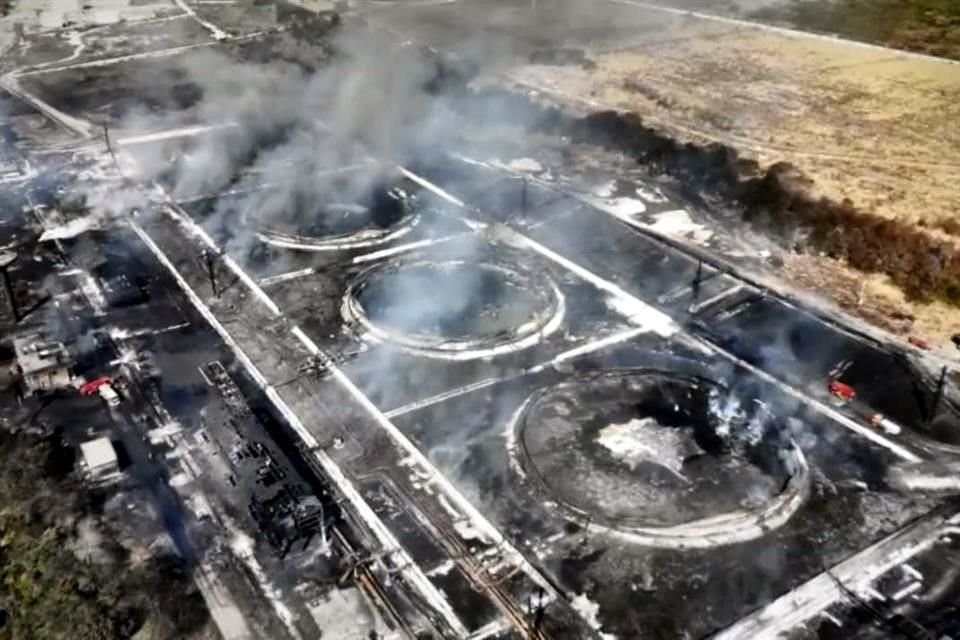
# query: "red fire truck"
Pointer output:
{"type": "Point", "coordinates": [841, 390]}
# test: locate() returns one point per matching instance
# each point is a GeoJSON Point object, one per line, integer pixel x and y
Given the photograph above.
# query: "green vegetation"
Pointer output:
{"type": "Point", "coordinates": [923, 26]}
{"type": "Point", "coordinates": [46, 591]}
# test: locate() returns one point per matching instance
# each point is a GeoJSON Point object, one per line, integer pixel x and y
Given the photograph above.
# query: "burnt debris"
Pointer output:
{"type": "Point", "coordinates": [388, 206]}
{"type": "Point", "coordinates": [7, 258]}
{"type": "Point", "coordinates": [284, 507]}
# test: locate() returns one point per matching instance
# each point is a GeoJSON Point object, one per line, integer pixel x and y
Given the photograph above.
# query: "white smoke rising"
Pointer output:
{"type": "Point", "coordinates": [288, 125]}
{"type": "Point", "coordinates": [727, 410]}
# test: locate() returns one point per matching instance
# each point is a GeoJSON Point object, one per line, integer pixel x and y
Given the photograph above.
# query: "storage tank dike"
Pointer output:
{"type": "Point", "coordinates": [657, 458]}
{"type": "Point", "coordinates": [456, 309]}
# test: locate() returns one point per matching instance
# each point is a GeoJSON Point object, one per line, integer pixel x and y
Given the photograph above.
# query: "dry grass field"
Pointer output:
{"type": "Point", "coordinates": [869, 126]}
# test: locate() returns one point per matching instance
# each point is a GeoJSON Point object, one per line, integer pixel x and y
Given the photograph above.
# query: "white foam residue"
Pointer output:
{"type": "Point", "coordinates": [472, 161]}
{"type": "Point", "coordinates": [161, 434]}
{"type": "Point", "coordinates": [642, 314]}
{"type": "Point", "coordinates": [242, 546]}
{"type": "Point", "coordinates": [606, 190]}
{"type": "Point", "coordinates": [467, 531]}
{"type": "Point", "coordinates": [91, 290]}
{"type": "Point", "coordinates": [727, 410]}
{"type": "Point", "coordinates": [651, 195]}
{"type": "Point", "coordinates": [525, 165]}
{"type": "Point", "coordinates": [589, 609]}
{"type": "Point", "coordinates": [678, 224]}
{"type": "Point", "coordinates": [590, 347]}
{"type": "Point", "coordinates": [179, 480]}
{"type": "Point", "coordinates": [441, 569]}
{"type": "Point", "coordinates": [620, 207]}
{"type": "Point", "coordinates": [69, 230]}
{"type": "Point", "coordinates": [127, 357]}
{"type": "Point", "coordinates": [645, 440]}
{"type": "Point", "coordinates": [890, 427]}
{"type": "Point", "coordinates": [449, 508]}
{"type": "Point", "coordinates": [511, 436]}
{"type": "Point", "coordinates": [173, 133]}
{"type": "Point", "coordinates": [216, 32]}
{"type": "Point", "coordinates": [119, 335]}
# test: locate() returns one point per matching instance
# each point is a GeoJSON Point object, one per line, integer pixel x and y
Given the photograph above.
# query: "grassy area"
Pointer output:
{"type": "Point", "coordinates": [923, 26]}
{"type": "Point", "coordinates": [870, 139]}
{"type": "Point", "coordinates": [776, 202]}
{"type": "Point", "coordinates": [46, 591]}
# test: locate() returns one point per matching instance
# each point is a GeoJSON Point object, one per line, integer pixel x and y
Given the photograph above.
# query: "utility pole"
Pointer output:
{"type": "Point", "coordinates": [937, 396]}
{"type": "Point", "coordinates": [106, 138]}
{"type": "Point", "coordinates": [7, 258]}
{"type": "Point", "coordinates": [523, 197]}
{"type": "Point", "coordinates": [209, 262]}
{"type": "Point", "coordinates": [697, 279]}
{"type": "Point", "coordinates": [537, 612]}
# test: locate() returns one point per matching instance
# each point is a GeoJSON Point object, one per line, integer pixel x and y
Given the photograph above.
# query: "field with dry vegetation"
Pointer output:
{"type": "Point", "coordinates": [849, 154]}
{"type": "Point", "coordinates": [923, 26]}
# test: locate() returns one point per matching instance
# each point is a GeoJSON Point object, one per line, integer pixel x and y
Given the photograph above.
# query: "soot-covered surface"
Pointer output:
{"type": "Point", "coordinates": [344, 219]}
{"type": "Point", "coordinates": [458, 412]}
{"type": "Point", "coordinates": [476, 303]}
{"type": "Point", "coordinates": [640, 588]}
{"type": "Point", "coordinates": [645, 448]}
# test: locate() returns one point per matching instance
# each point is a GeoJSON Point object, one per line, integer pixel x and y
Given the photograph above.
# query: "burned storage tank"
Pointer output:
{"type": "Point", "coordinates": [658, 458]}
{"type": "Point", "coordinates": [354, 211]}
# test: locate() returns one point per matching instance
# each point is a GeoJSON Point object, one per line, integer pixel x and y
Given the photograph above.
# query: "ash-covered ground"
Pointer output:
{"type": "Point", "coordinates": [417, 371]}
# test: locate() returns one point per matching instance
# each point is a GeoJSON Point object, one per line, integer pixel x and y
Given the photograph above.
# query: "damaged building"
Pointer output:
{"type": "Point", "coordinates": [120, 291]}
{"type": "Point", "coordinates": [285, 509]}
{"type": "Point", "coordinates": [42, 364]}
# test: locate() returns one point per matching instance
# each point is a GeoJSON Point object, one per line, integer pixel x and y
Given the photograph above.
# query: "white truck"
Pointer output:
{"type": "Point", "coordinates": [109, 394]}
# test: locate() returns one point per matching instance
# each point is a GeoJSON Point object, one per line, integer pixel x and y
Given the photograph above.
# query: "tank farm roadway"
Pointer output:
{"type": "Point", "coordinates": [546, 421]}
{"type": "Point", "coordinates": [532, 445]}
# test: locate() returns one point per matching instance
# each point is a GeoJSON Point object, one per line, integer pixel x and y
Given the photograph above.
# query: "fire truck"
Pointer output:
{"type": "Point", "coordinates": [103, 386]}
{"type": "Point", "coordinates": [841, 390]}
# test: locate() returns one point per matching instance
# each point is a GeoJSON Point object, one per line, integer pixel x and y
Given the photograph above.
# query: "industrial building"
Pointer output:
{"type": "Point", "coordinates": [285, 509]}
{"type": "Point", "coordinates": [99, 459]}
{"type": "Point", "coordinates": [119, 291]}
{"type": "Point", "coordinates": [44, 365]}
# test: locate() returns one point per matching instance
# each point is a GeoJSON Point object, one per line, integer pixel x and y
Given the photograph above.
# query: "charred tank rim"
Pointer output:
{"type": "Point", "coordinates": [546, 290]}
{"type": "Point", "coordinates": [364, 237]}
{"type": "Point", "coordinates": [726, 528]}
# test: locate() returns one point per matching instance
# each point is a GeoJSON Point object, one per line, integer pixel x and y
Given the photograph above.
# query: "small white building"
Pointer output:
{"type": "Point", "coordinates": [99, 459]}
